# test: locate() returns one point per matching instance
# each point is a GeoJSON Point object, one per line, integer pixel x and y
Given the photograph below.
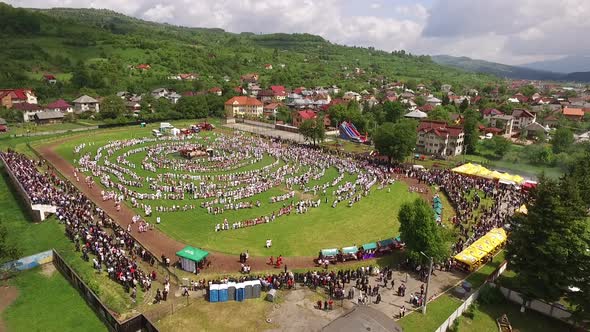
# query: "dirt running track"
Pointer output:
{"type": "Point", "coordinates": [7, 295]}
{"type": "Point", "coordinates": [157, 242]}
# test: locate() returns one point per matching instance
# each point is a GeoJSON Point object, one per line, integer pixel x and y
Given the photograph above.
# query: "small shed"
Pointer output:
{"type": "Point", "coordinates": [191, 258]}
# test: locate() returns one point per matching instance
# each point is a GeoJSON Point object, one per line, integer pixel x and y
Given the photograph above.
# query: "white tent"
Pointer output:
{"type": "Point", "coordinates": [416, 114]}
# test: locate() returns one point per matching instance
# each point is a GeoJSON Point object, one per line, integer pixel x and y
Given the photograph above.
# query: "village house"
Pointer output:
{"type": "Point", "coordinates": [60, 105]}
{"type": "Point", "coordinates": [86, 104]}
{"type": "Point", "coordinates": [523, 118]}
{"type": "Point", "coordinates": [439, 139]}
{"type": "Point", "coordinates": [504, 122]}
{"type": "Point", "coordinates": [271, 110]}
{"type": "Point", "coordinates": [350, 95]}
{"type": "Point", "coordinates": [243, 106]}
{"type": "Point", "coordinates": [268, 66]}
{"type": "Point", "coordinates": [143, 66]}
{"type": "Point", "coordinates": [49, 79]}
{"type": "Point", "coordinates": [573, 114]}
{"type": "Point", "coordinates": [5, 100]}
{"type": "Point", "coordinates": [216, 91]}
{"type": "Point", "coordinates": [28, 110]}
{"type": "Point", "coordinates": [19, 96]}
{"type": "Point", "coordinates": [300, 116]}
{"type": "Point", "coordinates": [250, 78]}
{"type": "Point", "coordinates": [48, 117]}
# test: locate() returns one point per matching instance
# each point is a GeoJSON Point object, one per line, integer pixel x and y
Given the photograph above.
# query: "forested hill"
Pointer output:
{"type": "Point", "coordinates": [98, 49]}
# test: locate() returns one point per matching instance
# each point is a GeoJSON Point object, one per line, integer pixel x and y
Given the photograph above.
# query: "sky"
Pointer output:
{"type": "Point", "coordinates": [506, 31]}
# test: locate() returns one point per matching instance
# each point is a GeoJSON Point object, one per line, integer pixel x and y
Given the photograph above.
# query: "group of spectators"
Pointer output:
{"type": "Point", "coordinates": [90, 228]}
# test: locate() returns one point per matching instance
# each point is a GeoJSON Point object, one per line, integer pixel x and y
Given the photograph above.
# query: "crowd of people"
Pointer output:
{"type": "Point", "coordinates": [90, 229]}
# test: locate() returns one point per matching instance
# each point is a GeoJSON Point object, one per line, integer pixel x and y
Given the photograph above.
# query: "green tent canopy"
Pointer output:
{"type": "Point", "coordinates": [329, 252]}
{"type": "Point", "coordinates": [194, 254]}
{"type": "Point", "coordinates": [370, 246]}
{"type": "Point", "coordinates": [350, 250]}
{"type": "Point", "coordinates": [385, 243]}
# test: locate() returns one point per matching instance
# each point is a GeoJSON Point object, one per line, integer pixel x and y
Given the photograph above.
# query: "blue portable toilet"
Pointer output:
{"type": "Point", "coordinates": [256, 288]}
{"type": "Point", "coordinates": [231, 291]}
{"type": "Point", "coordinates": [240, 292]}
{"type": "Point", "coordinates": [214, 293]}
{"type": "Point", "coordinates": [223, 295]}
{"type": "Point", "coordinates": [248, 290]}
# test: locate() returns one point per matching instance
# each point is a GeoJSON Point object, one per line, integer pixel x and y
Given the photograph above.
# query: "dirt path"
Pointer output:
{"type": "Point", "coordinates": [7, 295]}
{"type": "Point", "coordinates": [159, 243]}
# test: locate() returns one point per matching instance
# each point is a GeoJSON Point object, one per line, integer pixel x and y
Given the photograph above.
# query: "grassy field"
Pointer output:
{"type": "Point", "coordinates": [47, 302]}
{"type": "Point", "coordinates": [34, 129]}
{"type": "Point", "coordinates": [485, 315]}
{"type": "Point", "coordinates": [373, 218]}
{"type": "Point", "coordinates": [201, 316]}
{"type": "Point", "coordinates": [437, 311]}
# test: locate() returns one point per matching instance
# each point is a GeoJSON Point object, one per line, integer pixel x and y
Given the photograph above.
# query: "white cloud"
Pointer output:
{"type": "Point", "coordinates": [375, 5]}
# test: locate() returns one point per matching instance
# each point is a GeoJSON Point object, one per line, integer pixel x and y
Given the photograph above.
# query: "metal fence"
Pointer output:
{"type": "Point", "coordinates": [133, 324]}
{"type": "Point", "coordinates": [469, 301]}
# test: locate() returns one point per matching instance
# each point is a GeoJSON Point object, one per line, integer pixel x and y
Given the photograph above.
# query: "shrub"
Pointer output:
{"type": "Point", "coordinates": [490, 295]}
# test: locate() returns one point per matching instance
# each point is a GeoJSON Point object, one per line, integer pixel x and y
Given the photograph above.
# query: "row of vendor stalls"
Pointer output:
{"type": "Point", "coordinates": [480, 251]}
{"type": "Point", "coordinates": [366, 251]}
{"type": "Point", "coordinates": [234, 291]}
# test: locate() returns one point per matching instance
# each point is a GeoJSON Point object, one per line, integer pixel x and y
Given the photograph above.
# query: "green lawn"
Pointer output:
{"type": "Point", "coordinates": [48, 303]}
{"type": "Point", "coordinates": [19, 129]}
{"type": "Point", "coordinates": [437, 312]}
{"type": "Point", "coordinates": [373, 218]}
{"type": "Point", "coordinates": [485, 316]}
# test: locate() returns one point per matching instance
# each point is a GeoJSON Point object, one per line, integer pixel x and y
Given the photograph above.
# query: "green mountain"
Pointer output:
{"type": "Point", "coordinates": [506, 71]}
{"type": "Point", "coordinates": [494, 68]}
{"type": "Point", "coordinates": [98, 49]}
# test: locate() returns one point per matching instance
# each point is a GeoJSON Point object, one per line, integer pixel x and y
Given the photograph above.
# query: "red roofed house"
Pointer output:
{"type": "Point", "coordinates": [491, 112]}
{"type": "Point", "coordinates": [440, 139]}
{"type": "Point", "coordinates": [28, 110]}
{"type": "Point", "coordinates": [268, 66]}
{"type": "Point", "coordinates": [426, 108]}
{"type": "Point", "coordinates": [20, 95]}
{"type": "Point", "coordinates": [243, 106]}
{"type": "Point", "coordinates": [61, 106]}
{"type": "Point", "coordinates": [574, 114]}
{"type": "Point", "coordinates": [250, 78]}
{"type": "Point", "coordinates": [216, 91]}
{"type": "Point", "coordinates": [143, 66]}
{"type": "Point", "coordinates": [49, 79]}
{"type": "Point", "coordinates": [271, 109]}
{"type": "Point", "coordinates": [279, 92]}
{"type": "Point", "coordinates": [300, 116]}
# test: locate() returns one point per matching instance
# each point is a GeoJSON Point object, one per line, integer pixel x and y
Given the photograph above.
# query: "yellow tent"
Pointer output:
{"type": "Point", "coordinates": [482, 247]}
{"type": "Point", "coordinates": [522, 209]}
{"type": "Point", "coordinates": [478, 170]}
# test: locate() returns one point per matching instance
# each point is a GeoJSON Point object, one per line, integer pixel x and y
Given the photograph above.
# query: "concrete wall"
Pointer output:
{"type": "Point", "coordinates": [29, 262]}
{"type": "Point", "coordinates": [537, 305]}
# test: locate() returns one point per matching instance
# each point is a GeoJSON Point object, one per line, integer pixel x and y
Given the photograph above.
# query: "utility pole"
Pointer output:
{"type": "Point", "coordinates": [425, 301]}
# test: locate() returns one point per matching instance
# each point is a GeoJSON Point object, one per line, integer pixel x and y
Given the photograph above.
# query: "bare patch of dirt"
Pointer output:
{"type": "Point", "coordinates": [48, 269]}
{"type": "Point", "coordinates": [7, 295]}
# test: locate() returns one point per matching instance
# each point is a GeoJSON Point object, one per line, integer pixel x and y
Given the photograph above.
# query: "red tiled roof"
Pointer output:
{"type": "Point", "coordinates": [573, 111]}
{"type": "Point", "coordinates": [492, 112]}
{"type": "Point", "coordinates": [307, 114]}
{"type": "Point", "coordinates": [143, 66]}
{"type": "Point", "coordinates": [440, 128]}
{"type": "Point", "coordinates": [426, 108]}
{"type": "Point", "coordinates": [243, 100]}
{"type": "Point", "coordinates": [215, 89]}
{"type": "Point", "coordinates": [61, 104]}
{"type": "Point", "coordinates": [49, 77]}
{"type": "Point", "coordinates": [16, 94]}
{"type": "Point", "coordinates": [272, 106]}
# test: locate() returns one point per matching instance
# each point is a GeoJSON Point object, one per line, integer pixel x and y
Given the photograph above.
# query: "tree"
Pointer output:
{"type": "Point", "coordinates": [471, 130]}
{"type": "Point", "coordinates": [420, 101]}
{"type": "Point", "coordinates": [420, 232]}
{"type": "Point", "coordinates": [193, 107]}
{"type": "Point", "coordinates": [501, 145]}
{"type": "Point", "coordinates": [446, 100]}
{"type": "Point", "coordinates": [8, 251]}
{"type": "Point", "coordinates": [562, 140]}
{"type": "Point", "coordinates": [313, 129]}
{"type": "Point", "coordinates": [439, 113]}
{"type": "Point", "coordinates": [394, 111]}
{"type": "Point", "coordinates": [548, 246]}
{"type": "Point", "coordinates": [112, 107]}
{"type": "Point", "coordinates": [396, 140]}
{"type": "Point", "coordinates": [464, 105]}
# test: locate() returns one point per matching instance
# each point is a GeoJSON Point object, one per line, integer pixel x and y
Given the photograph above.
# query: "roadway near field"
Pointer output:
{"type": "Point", "coordinates": [266, 131]}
